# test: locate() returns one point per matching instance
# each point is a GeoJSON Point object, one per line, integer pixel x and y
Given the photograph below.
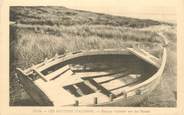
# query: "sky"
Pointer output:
{"type": "Point", "coordinates": [164, 10]}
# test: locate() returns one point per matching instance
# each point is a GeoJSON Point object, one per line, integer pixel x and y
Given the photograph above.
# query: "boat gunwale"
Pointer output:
{"type": "Point", "coordinates": [62, 58]}
{"type": "Point", "coordinates": [65, 57]}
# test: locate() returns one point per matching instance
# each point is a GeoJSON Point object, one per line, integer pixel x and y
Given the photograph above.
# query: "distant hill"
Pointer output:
{"type": "Point", "coordinates": [57, 15]}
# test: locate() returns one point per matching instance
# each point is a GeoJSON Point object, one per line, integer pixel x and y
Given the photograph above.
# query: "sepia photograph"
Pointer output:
{"type": "Point", "coordinates": [106, 55]}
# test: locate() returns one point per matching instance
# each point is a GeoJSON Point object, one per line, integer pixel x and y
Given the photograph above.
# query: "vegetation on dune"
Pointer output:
{"type": "Point", "coordinates": [32, 44]}
{"type": "Point", "coordinates": [57, 16]}
{"type": "Point", "coordinates": [41, 32]}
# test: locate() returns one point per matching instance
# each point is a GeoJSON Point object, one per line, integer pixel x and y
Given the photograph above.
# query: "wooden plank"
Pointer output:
{"type": "Point", "coordinates": [100, 87]}
{"type": "Point", "coordinates": [145, 56]}
{"type": "Point", "coordinates": [90, 85]}
{"type": "Point", "coordinates": [99, 74]}
{"type": "Point", "coordinates": [120, 84]}
{"type": "Point", "coordinates": [155, 59]}
{"type": "Point", "coordinates": [125, 86]}
{"type": "Point", "coordinates": [40, 74]}
{"type": "Point", "coordinates": [78, 90]}
{"type": "Point", "coordinates": [57, 72]}
{"type": "Point", "coordinates": [109, 78]}
{"type": "Point", "coordinates": [67, 79]}
{"type": "Point", "coordinates": [35, 93]}
{"type": "Point", "coordinates": [113, 84]}
{"type": "Point", "coordinates": [118, 91]}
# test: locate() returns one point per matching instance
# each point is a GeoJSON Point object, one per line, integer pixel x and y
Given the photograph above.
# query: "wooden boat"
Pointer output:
{"type": "Point", "coordinates": [94, 78]}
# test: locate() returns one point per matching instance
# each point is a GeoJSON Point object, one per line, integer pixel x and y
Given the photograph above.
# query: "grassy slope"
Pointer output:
{"type": "Point", "coordinates": [64, 16]}
{"type": "Point", "coordinates": [69, 30]}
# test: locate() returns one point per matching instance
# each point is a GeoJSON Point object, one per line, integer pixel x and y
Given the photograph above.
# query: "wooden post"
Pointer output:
{"type": "Point", "coordinates": [45, 61]}
{"type": "Point", "coordinates": [76, 103]}
{"type": "Point", "coordinates": [56, 56]}
{"type": "Point", "coordinates": [95, 100]}
{"type": "Point", "coordinates": [125, 94]}
{"type": "Point", "coordinates": [111, 97]}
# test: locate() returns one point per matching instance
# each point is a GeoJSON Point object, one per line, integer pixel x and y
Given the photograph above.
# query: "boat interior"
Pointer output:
{"type": "Point", "coordinates": [105, 77]}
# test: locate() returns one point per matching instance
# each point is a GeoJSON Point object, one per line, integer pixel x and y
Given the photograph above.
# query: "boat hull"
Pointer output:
{"type": "Point", "coordinates": [131, 96]}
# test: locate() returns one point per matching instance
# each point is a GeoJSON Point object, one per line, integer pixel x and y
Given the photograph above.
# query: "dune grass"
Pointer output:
{"type": "Point", "coordinates": [34, 45]}
{"type": "Point", "coordinates": [57, 16]}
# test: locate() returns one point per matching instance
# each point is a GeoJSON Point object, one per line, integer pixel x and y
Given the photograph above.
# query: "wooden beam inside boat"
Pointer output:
{"type": "Point", "coordinates": [145, 56]}
{"type": "Point", "coordinates": [120, 75]}
{"type": "Point", "coordinates": [111, 72]}
{"type": "Point", "coordinates": [40, 74]}
{"type": "Point", "coordinates": [57, 73]}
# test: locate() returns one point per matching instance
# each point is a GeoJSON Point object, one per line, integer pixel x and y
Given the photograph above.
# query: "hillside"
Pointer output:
{"type": "Point", "coordinates": [40, 32]}
{"type": "Point", "coordinates": [63, 16]}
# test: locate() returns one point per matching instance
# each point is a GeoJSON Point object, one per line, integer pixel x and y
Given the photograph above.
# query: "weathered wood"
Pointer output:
{"type": "Point", "coordinates": [90, 85]}
{"type": "Point", "coordinates": [145, 56]}
{"type": "Point", "coordinates": [95, 100]}
{"type": "Point", "coordinates": [33, 90]}
{"type": "Point", "coordinates": [40, 74]}
{"type": "Point", "coordinates": [111, 97]}
{"type": "Point", "coordinates": [57, 72]}
{"type": "Point", "coordinates": [109, 78]}
{"type": "Point", "coordinates": [102, 74]}
{"type": "Point", "coordinates": [76, 103]}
